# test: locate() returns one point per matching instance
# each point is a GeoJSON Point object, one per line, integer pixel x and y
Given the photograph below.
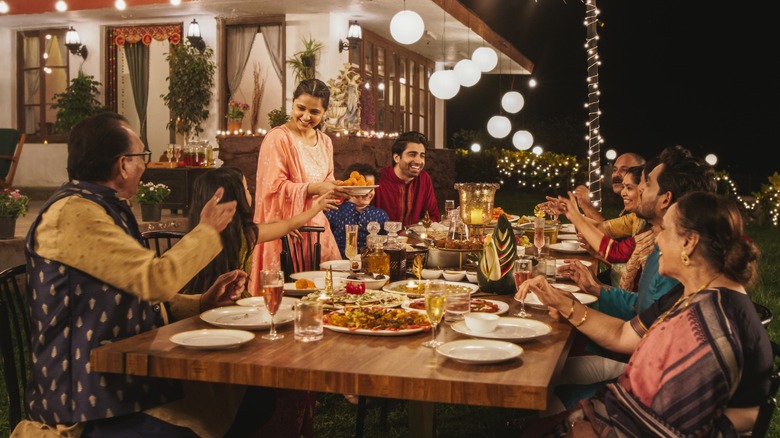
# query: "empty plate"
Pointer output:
{"type": "Point", "coordinates": [247, 318]}
{"type": "Point", "coordinates": [287, 302]}
{"type": "Point", "coordinates": [532, 300]}
{"type": "Point", "coordinates": [212, 339]}
{"type": "Point", "coordinates": [509, 329]}
{"type": "Point", "coordinates": [478, 351]}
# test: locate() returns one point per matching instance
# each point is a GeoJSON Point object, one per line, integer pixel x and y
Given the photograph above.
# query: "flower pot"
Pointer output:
{"type": "Point", "coordinates": [7, 227]}
{"type": "Point", "coordinates": [151, 212]}
{"type": "Point", "coordinates": [233, 125]}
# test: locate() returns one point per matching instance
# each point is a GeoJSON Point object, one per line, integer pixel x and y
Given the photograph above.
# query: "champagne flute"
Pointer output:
{"type": "Point", "coordinates": [434, 307]}
{"type": "Point", "coordinates": [177, 153]}
{"type": "Point", "coordinates": [350, 247]}
{"type": "Point", "coordinates": [539, 235]}
{"type": "Point", "coordinates": [522, 273]}
{"type": "Point", "coordinates": [169, 153]}
{"type": "Point", "coordinates": [272, 282]}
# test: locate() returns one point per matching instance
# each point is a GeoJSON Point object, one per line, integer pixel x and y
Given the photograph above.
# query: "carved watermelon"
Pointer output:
{"type": "Point", "coordinates": [494, 272]}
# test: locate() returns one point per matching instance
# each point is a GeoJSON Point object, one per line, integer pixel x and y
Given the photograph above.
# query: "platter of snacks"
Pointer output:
{"type": "Point", "coordinates": [457, 245]}
{"type": "Point", "coordinates": [413, 287]}
{"type": "Point", "coordinates": [498, 211]}
{"type": "Point", "coordinates": [356, 184]}
{"type": "Point", "coordinates": [477, 305]}
{"type": "Point", "coordinates": [376, 321]}
{"type": "Point", "coordinates": [373, 298]}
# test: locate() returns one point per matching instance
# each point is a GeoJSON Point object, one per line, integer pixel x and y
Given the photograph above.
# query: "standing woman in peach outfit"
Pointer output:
{"type": "Point", "coordinates": [294, 167]}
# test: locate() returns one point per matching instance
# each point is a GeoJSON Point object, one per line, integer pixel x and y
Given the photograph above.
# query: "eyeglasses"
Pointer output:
{"type": "Point", "coordinates": [146, 154]}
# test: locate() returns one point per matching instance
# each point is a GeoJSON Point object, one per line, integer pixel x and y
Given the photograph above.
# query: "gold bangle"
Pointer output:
{"type": "Point", "coordinates": [584, 317]}
{"type": "Point", "coordinates": [571, 311]}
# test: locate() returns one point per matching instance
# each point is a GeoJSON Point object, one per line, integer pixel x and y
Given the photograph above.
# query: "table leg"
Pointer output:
{"type": "Point", "coordinates": [422, 419]}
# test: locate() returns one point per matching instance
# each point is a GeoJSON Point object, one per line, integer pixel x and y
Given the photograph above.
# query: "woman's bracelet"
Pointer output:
{"type": "Point", "coordinates": [571, 311]}
{"type": "Point", "coordinates": [584, 317]}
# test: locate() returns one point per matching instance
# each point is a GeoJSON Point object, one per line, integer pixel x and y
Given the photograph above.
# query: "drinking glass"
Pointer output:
{"type": "Point", "coordinates": [169, 153]}
{"type": "Point", "coordinates": [177, 152]}
{"type": "Point", "coordinates": [434, 307]}
{"type": "Point", "coordinates": [539, 235]}
{"type": "Point", "coordinates": [272, 283]}
{"type": "Point", "coordinates": [457, 304]}
{"type": "Point", "coordinates": [308, 321]}
{"type": "Point", "coordinates": [449, 205]}
{"type": "Point", "coordinates": [350, 248]}
{"type": "Point", "coordinates": [522, 273]}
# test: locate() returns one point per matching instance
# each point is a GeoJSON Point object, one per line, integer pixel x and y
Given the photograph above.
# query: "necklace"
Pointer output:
{"type": "Point", "coordinates": [681, 304]}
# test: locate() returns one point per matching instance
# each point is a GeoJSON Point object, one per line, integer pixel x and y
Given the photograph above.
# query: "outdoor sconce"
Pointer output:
{"type": "Point", "coordinates": [354, 37]}
{"type": "Point", "coordinates": [73, 43]}
{"type": "Point", "coordinates": [194, 37]}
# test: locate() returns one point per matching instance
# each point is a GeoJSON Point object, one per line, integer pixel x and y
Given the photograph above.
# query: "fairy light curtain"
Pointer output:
{"type": "Point", "coordinates": [594, 113]}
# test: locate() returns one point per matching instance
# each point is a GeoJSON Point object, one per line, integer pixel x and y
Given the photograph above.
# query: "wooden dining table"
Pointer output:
{"type": "Point", "coordinates": [396, 367]}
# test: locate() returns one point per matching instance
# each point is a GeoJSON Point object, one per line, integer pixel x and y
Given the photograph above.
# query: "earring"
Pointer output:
{"type": "Point", "coordinates": [685, 259]}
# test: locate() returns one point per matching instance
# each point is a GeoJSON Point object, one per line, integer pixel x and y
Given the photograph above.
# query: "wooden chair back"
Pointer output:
{"type": "Point", "coordinates": [15, 340]}
{"type": "Point", "coordinates": [303, 254]}
{"type": "Point", "coordinates": [161, 241]}
{"type": "Point", "coordinates": [11, 143]}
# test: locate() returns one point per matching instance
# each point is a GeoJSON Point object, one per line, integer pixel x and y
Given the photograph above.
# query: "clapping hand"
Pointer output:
{"type": "Point", "coordinates": [225, 291]}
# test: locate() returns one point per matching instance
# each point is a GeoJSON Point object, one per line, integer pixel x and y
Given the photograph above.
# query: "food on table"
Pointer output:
{"type": "Point", "coordinates": [522, 240]}
{"type": "Point", "coordinates": [419, 288]}
{"type": "Point", "coordinates": [498, 211]}
{"type": "Point", "coordinates": [477, 305]}
{"type": "Point", "coordinates": [458, 244]}
{"type": "Point", "coordinates": [376, 318]}
{"type": "Point", "coordinates": [304, 283]}
{"type": "Point", "coordinates": [355, 179]}
{"type": "Point", "coordinates": [369, 297]}
{"type": "Point", "coordinates": [494, 272]}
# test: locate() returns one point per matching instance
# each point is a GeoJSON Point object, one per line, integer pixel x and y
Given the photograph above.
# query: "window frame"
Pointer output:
{"type": "Point", "coordinates": [42, 136]}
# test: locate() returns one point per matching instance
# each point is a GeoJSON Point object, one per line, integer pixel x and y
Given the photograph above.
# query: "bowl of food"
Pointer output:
{"type": "Point", "coordinates": [571, 245]}
{"type": "Point", "coordinates": [372, 281]}
{"type": "Point", "coordinates": [479, 322]}
{"type": "Point", "coordinates": [450, 275]}
{"type": "Point", "coordinates": [431, 274]}
{"type": "Point", "coordinates": [471, 276]}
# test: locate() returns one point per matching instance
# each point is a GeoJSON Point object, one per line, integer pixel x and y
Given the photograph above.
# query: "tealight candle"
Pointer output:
{"type": "Point", "coordinates": [476, 216]}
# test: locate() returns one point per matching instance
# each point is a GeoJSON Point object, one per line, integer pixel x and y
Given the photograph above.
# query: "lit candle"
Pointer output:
{"type": "Point", "coordinates": [423, 235]}
{"type": "Point", "coordinates": [476, 216]}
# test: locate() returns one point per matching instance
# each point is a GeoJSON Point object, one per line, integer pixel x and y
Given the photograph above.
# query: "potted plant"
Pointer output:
{"type": "Point", "coordinates": [235, 114]}
{"type": "Point", "coordinates": [151, 197]}
{"type": "Point", "coordinates": [303, 62]}
{"type": "Point", "coordinates": [190, 88]}
{"type": "Point", "coordinates": [277, 117]}
{"type": "Point", "coordinates": [77, 102]}
{"type": "Point", "coordinates": [12, 205]}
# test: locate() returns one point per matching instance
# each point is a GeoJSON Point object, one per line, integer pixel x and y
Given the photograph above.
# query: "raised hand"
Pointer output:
{"type": "Point", "coordinates": [227, 288]}
{"type": "Point", "coordinates": [581, 275]}
{"type": "Point", "coordinates": [218, 215]}
{"type": "Point", "coordinates": [328, 201]}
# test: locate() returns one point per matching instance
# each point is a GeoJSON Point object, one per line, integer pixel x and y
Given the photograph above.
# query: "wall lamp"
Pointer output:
{"type": "Point", "coordinates": [354, 37]}
{"type": "Point", "coordinates": [73, 43]}
{"type": "Point", "coordinates": [194, 37]}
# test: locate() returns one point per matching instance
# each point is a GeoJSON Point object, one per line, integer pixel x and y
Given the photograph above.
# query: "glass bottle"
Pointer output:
{"type": "Point", "coordinates": [209, 154]}
{"type": "Point", "coordinates": [377, 261]}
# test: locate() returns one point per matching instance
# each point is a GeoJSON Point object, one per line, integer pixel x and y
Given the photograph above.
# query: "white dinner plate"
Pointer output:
{"type": "Point", "coordinates": [567, 228]}
{"type": "Point", "coordinates": [287, 302]}
{"type": "Point", "coordinates": [357, 190]}
{"type": "Point", "coordinates": [567, 237]}
{"type": "Point", "coordinates": [532, 300]}
{"type": "Point", "coordinates": [479, 351]}
{"type": "Point", "coordinates": [314, 275]}
{"type": "Point", "coordinates": [212, 339]}
{"type": "Point", "coordinates": [246, 318]}
{"type": "Point", "coordinates": [293, 291]}
{"type": "Point", "coordinates": [509, 329]}
{"type": "Point", "coordinates": [560, 248]}
{"type": "Point", "coordinates": [561, 262]}
{"type": "Point", "coordinates": [404, 332]}
{"type": "Point", "coordinates": [502, 306]}
{"type": "Point", "coordinates": [394, 286]}
{"type": "Point", "coordinates": [336, 265]}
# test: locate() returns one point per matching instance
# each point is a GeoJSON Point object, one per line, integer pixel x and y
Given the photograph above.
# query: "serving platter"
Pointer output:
{"type": "Point", "coordinates": [479, 351]}
{"type": "Point", "coordinates": [212, 339]}
{"type": "Point", "coordinates": [357, 190]}
{"type": "Point", "coordinates": [405, 287]}
{"type": "Point", "coordinates": [373, 321]}
{"type": "Point", "coordinates": [497, 307]}
{"type": "Point", "coordinates": [509, 329]}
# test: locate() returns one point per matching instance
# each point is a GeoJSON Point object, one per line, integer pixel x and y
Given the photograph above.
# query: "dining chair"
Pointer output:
{"type": "Point", "coordinates": [764, 314]}
{"type": "Point", "coordinates": [769, 406]}
{"type": "Point", "coordinates": [301, 254]}
{"type": "Point", "coordinates": [11, 142]}
{"type": "Point", "coordinates": [161, 241]}
{"type": "Point", "coordinates": [14, 340]}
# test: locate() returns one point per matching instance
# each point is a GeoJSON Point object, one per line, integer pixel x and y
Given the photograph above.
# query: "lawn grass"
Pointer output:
{"type": "Point", "coordinates": [335, 417]}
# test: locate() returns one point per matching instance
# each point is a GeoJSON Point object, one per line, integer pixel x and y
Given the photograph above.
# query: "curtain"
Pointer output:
{"type": "Point", "coordinates": [32, 56]}
{"type": "Point", "coordinates": [138, 66]}
{"type": "Point", "coordinates": [239, 45]}
{"type": "Point", "coordinates": [273, 42]}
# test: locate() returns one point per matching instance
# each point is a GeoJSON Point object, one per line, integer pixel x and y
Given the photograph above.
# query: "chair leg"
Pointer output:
{"type": "Point", "coordinates": [361, 417]}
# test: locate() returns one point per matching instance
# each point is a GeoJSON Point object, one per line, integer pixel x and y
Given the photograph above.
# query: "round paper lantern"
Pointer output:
{"type": "Point", "coordinates": [523, 140]}
{"type": "Point", "coordinates": [467, 72]}
{"type": "Point", "coordinates": [499, 126]}
{"type": "Point", "coordinates": [476, 147]}
{"type": "Point", "coordinates": [444, 84]}
{"type": "Point", "coordinates": [486, 58]}
{"type": "Point", "coordinates": [407, 27]}
{"type": "Point", "coordinates": [512, 102]}
{"type": "Point", "coordinates": [711, 159]}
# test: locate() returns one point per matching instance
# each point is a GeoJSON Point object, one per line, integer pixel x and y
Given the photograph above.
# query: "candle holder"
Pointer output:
{"type": "Point", "coordinates": [476, 206]}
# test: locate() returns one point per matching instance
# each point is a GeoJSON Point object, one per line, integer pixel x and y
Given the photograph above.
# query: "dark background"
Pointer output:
{"type": "Point", "coordinates": [697, 73]}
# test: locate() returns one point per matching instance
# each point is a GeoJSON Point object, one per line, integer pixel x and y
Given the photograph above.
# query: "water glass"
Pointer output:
{"type": "Point", "coordinates": [456, 305]}
{"type": "Point", "coordinates": [308, 321]}
{"type": "Point", "coordinates": [550, 265]}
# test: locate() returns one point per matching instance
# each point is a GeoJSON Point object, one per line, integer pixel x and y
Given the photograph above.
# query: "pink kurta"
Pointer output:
{"type": "Point", "coordinates": [281, 194]}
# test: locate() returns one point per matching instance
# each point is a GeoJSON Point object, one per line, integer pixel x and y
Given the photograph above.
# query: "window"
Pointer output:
{"type": "Point", "coordinates": [395, 96]}
{"type": "Point", "coordinates": [42, 72]}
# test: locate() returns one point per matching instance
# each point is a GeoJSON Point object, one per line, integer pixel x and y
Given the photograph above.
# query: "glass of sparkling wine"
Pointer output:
{"type": "Point", "coordinates": [272, 283]}
{"type": "Point", "coordinates": [177, 152]}
{"type": "Point", "coordinates": [539, 235]}
{"type": "Point", "coordinates": [350, 248]}
{"type": "Point", "coordinates": [169, 152]}
{"type": "Point", "coordinates": [434, 307]}
{"type": "Point", "coordinates": [522, 273]}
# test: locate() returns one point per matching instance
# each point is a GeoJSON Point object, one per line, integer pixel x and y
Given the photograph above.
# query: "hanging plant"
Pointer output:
{"type": "Point", "coordinates": [190, 87]}
{"type": "Point", "coordinates": [303, 62]}
{"type": "Point", "coordinates": [77, 102]}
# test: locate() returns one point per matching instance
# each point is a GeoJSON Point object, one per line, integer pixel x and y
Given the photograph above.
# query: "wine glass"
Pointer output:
{"type": "Point", "coordinates": [169, 153]}
{"type": "Point", "coordinates": [522, 273]}
{"type": "Point", "coordinates": [272, 282]}
{"type": "Point", "coordinates": [539, 235]}
{"type": "Point", "coordinates": [426, 222]}
{"type": "Point", "coordinates": [434, 307]}
{"type": "Point", "coordinates": [177, 152]}
{"type": "Point", "coordinates": [449, 205]}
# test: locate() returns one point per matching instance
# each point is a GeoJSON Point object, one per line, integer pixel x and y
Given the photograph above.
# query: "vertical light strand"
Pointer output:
{"type": "Point", "coordinates": [594, 113]}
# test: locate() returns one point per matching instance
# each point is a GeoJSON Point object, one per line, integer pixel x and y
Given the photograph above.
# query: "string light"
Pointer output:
{"type": "Point", "coordinates": [593, 138]}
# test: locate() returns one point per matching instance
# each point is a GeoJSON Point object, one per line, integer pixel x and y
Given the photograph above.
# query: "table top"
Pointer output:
{"type": "Point", "coordinates": [393, 367]}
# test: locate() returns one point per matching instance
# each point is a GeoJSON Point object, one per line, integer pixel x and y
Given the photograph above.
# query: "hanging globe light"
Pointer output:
{"type": "Point", "coordinates": [486, 58]}
{"type": "Point", "coordinates": [444, 84]}
{"type": "Point", "coordinates": [499, 126]}
{"type": "Point", "coordinates": [523, 140]}
{"type": "Point", "coordinates": [407, 27]}
{"type": "Point", "coordinates": [467, 72]}
{"type": "Point", "coordinates": [512, 102]}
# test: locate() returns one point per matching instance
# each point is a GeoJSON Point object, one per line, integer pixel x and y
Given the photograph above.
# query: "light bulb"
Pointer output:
{"type": "Point", "coordinates": [468, 72]}
{"type": "Point", "coordinates": [499, 126]}
{"type": "Point", "coordinates": [523, 140]}
{"type": "Point", "coordinates": [512, 102]}
{"type": "Point", "coordinates": [407, 27]}
{"type": "Point", "coordinates": [61, 6]}
{"type": "Point", "coordinates": [120, 5]}
{"type": "Point", "coordinates": [486, 58]}
{"type": "Point", "coordinates": [4, 7]}
{"type": "Point", "coordinates": [444, 84]}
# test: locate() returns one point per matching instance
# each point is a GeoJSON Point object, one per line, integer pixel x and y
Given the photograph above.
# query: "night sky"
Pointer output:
{"type": "Point", "coordinates": [697, 73]}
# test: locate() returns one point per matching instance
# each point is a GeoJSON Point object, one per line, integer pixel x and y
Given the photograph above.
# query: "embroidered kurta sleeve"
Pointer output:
{"type": "Point", "coordinates": [103, 250]}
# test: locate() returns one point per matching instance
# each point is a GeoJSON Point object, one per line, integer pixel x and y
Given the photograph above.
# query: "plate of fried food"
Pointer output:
{"type": "Point", "coordinates": [376, 321]}
{"type": "Point", "coordinates": [498, 211]}
{"type": "Point", "coordinates": [356, 184]}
